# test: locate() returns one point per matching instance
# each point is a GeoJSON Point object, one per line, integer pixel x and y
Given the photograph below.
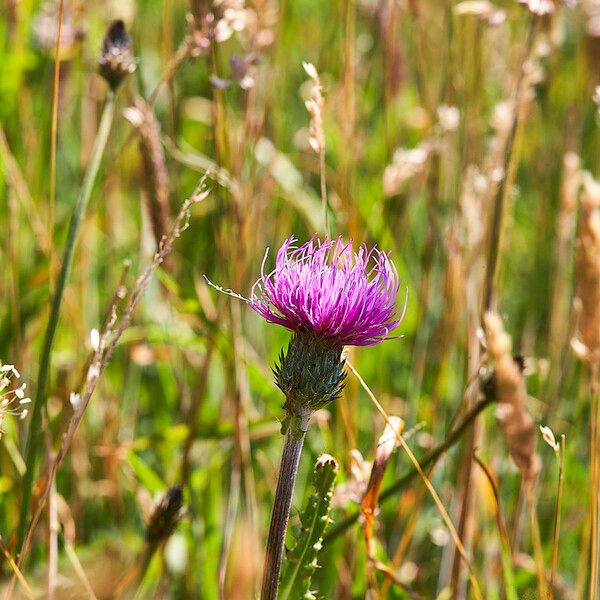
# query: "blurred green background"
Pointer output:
{"type": "Point", "coordinates": [417, 114]}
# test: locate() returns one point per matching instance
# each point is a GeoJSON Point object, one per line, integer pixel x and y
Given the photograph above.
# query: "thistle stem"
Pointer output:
{"type": "Point", "coordinates": [288, 470]}
{"type": "Point", "coordinates": [33, 443]}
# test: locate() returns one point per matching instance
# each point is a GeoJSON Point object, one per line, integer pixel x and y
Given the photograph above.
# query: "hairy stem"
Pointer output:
{"type": "Point", "coordinates": [33, 444]}
{"type": "Point", "coordinates": [292, 447]}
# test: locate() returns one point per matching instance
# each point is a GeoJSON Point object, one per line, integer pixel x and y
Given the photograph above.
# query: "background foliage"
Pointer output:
{"type": "Point", "coordinates": [420, 87]}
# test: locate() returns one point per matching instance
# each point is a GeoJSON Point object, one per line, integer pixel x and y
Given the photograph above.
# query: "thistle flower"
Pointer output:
{"type": "Point", "coordinates": [329, 296]}
{"type": "Point", "coordinates": [326, 289]}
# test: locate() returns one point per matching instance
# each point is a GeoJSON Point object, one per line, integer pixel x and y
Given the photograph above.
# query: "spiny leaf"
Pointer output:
{"type": "Point", "coordinates": [301, 561]}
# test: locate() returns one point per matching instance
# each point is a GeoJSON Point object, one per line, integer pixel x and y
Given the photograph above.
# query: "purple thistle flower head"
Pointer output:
{"type": "Point", "coordinates": [329, 290]}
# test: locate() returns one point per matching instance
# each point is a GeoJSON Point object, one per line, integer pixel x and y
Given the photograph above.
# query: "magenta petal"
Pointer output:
{"type": "Point", "coordinates": [329, 290]}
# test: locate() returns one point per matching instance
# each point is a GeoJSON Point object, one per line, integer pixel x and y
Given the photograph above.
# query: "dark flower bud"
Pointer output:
{"type": "Point", "coordinates": [116, 60]}
{"type": "Point", "coordinates": [167, 513]}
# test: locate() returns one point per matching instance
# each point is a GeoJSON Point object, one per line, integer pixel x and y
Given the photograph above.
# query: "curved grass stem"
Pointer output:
{"type": "Point", "coordinates": [33, 443]}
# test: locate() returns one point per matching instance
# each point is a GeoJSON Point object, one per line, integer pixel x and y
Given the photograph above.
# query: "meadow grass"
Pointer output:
{"type": "Point", "coordinates": [462, 137]}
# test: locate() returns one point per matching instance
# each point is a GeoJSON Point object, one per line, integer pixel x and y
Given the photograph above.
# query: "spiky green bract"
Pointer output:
{"type": "Point", "coordinates": [310, 374]}
{"type": "Point", "coordinates": [301, 561]}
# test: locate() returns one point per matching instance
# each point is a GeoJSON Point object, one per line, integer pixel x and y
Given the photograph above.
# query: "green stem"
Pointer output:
{"type": "Point", "coordinates": [292, 447]}
{"type": "Point", "coordinates": [33, 443]}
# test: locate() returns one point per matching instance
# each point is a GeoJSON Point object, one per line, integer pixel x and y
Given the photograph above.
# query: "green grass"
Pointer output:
{"type": "Point", "coordinates": [191, 377]}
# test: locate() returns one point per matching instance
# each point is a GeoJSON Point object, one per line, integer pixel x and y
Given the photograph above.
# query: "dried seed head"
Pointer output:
{"type": "Point", "coordinates": [448, 117]}
{"type": "Point", "coordinates": [315, 105]}
{"type": "Point", "coordinates": [483, 10]}
{"type": "Point", "coordinates": [167, 513]}
{"type": "Point", "coordinates": [545, 7]}
{"type": "Point", "coordinates": [12, 401]}
{"type": "Point", "coordinates": [406, 164]}
{"type": "Point", "coordinates": [45, 30]}
{"type": "Point", "coordinates": [571, 182]}
{"type": "Point", "coordinates": [353, 489]}
{"type": "Point", "coordinates": [155, 175]}
{"type": "Point", "coordinates": [214, 22]}
{"type": "Point", "coordinates": [385, 447]}
{"type": "Point", "coordinates": [549, 438]}
{"type": "Point", "coordinates": [116, 61]}
{"type": "Point", "coordinates": [509, 388]}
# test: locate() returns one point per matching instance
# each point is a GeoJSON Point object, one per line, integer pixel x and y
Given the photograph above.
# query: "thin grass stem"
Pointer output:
{"type": "Point", "coordinates": [53, 139]}
{"type": "Point", "coordinates": [594, 480]}
{"type": "Point", "coordinates": [561, 460]}
{"type": "Point", "coordinates": [33, 444]}
{"type": "Point", "coordinates": [440, 506]}
{"type": "Point", "coordinates": [538, 553]}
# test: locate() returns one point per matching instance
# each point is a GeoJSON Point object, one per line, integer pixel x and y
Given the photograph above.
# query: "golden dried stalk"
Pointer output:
{"type": "Point", "coordinates": [513, 417]}
{"type": "Point", "coordinates": [569, 192]}
{"type": "Point", "coordinates": [385, 447]}
{"type": "Point", "coordinates": [587, 274]}
{"type": "Point", "coordinates": [315, 105]}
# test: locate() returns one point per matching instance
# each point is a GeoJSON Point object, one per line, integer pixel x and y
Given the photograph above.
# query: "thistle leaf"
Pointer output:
{"type": "Point", "coordinates": [301, 560]}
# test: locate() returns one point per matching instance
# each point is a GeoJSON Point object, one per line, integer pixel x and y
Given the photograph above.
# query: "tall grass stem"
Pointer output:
{"type": "Point", "coordinates": [34, 438]}
{"type": "Point", "coordinates": [53, 140]}
{"type": "Point", "coordinates": [508, 168]}
{"type": "Point", "coordinates": [561, 462]}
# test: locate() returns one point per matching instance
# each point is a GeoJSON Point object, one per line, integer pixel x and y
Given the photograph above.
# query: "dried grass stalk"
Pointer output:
{"type": "Point", "coordinates": [587, 274]}
{"type": "Point", "coordinates": [315, 105]}
{"type": "Point", "coordinates": [569, 192]}
{"type": "Point", "coordinates": [513, 417]}
{"type": "Point", "coordinates": [586, 344]}
{"type": "Point", "coordinates": [385, 447]}
{"type": "Point", "coordinates": [155, 177]}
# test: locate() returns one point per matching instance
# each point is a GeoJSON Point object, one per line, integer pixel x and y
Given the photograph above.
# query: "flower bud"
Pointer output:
{"type": "Point", "coordinates": [116, 60]}
{"type": "Point", "coordinates": [166, 515]}
{"type": "Point", "coordinates": [310, 374]}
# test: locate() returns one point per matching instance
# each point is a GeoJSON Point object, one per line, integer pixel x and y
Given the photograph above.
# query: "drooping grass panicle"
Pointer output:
{"type": "Point", "coordinates": [587, 274]}
{"type": "Point", "coordinates": [116, 61]}
{"type": "Point", "coordinates": [514, 419]}
{"type": "Point", "coordinates": [108, 340]}
{"type": "Point", "coordinates": [155, 178]}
